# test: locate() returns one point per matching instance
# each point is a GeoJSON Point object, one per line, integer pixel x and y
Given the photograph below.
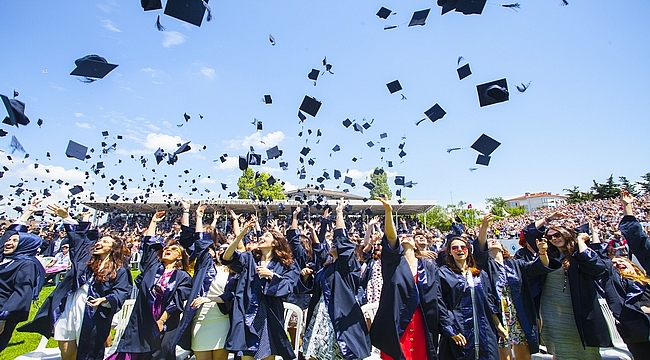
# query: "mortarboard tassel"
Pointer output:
{"type": "Point", "coordinates": [513, 6]}
{"type": "Point", "coordinates": [159, 25]}
{"type": "Point", "coordinates": [16, 94]}
{"type": "Point", "coordinates": [388, 27]}
{"type": "Point", "coordinates": [523, 87]}
{"type": "Point", "coordinates": [205, 3]}
{"type": "Point", "coordinates": [87, 80]}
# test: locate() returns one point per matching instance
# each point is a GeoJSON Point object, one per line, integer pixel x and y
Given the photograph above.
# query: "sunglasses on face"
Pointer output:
{"type": "Point", "coordinates": [458, 248]}
{"type": "Point", "coordinates": [556, 235]}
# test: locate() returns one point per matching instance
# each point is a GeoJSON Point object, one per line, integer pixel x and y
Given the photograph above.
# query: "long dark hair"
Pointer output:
{"type": "Point", "coordinates": [281, 249]}
{"type": "Point", "coordinates": [570, 241]}
{"type": "Point", "coordinates": [471, 263]}
{"type": "Point", "coordinates": [118, 254]}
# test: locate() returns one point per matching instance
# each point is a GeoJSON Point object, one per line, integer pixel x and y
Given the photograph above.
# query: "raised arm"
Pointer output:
{"type": "Point", "coordinates": [637, 239]}
{"type": "Point", "coordinates": [198, 227]}
{"type": "Point", "coordinates": [389, 225]}
{"type": "Point", "coordinates": [482, 232]}
{"type": "Point", "coordinates": [153, 225]}
{"type": "Point", "coordinates": [227, 255]}
{"type": "Point", "coordinates": [235, 222]}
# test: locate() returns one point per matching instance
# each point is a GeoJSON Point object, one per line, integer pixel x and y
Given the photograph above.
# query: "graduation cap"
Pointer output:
{"type": "Point", "coordinates": [383, 135]}
{"type": "Point", "coordinates": [76, 189]}
{"type": "Point", "coordinates": [366, 125]}
{"type": "Point", "coordinates": [347, 180]}
{"type": "Point", "coordinates": [434, 113]}
{"type": "Point", "coordinates": [358, 128]}
{"type": "Point", "coordinates": [301, 116]}
{"type": "Point", "coordinates": [310, 105]}
{"type": "Point", "coordinates": [492, 92]}
{"type": "Point", "coordinates": [260, 127]}
{"type": "Point", "coordinates": [267, 99]}
{"type": "Point", "coordinates": [419, 17]}
{"type": "Point", "coordinates": [347, 123]}
{"type": "Point", "coordinates": [151, 4]}
{"type": "Point", "coordinates": [243, 163]}
{"type": "Point", "coordinates": [254, 159]}
{"type": "Point", "coordinates": [370, 144]}
{"type": "Point", "coordinates": [337, 174]}
{"type": "Point", "coordinates": [104, 133]}
{"type": "Point", "coordinates": [39, 122]}
{"type": "Point", "coordinates": [273, 153]}
{"type": "Point", "coordinates": [311, 162]}
{"type": "Point", "coordinates": [305, 150]}
{"type": "Point", "coordinates": [190, 11]}
{"type": "Point", "coordinates": [284, 165]}
{"type": "Point", "coordinates": [378, 171]}
{"type": "Point", "coordinates": [464, 71]}
{"type": "Point", "coordinates": [384, 13]}
{"type": "Point", "coordinates": [394, 86]}
{"type": "Point", "coordinates": [466, 7]}
{"type": "Point", "coordinates": [115, 197]}
{"type": "Point", "coordinates": [183, 148]}
{"type": "Point", "coordinates": [76, 150]}
{"type": "Point", "coordinates": [485, 145]}
{"type": "Point", "coordinates": [100, 165]}
{"type": "Point", "coordinates": [92, 67]}
{"type": "Point", "coordinates": [369, 185]}
{"type": "Point", "coordinates": [399, 180]}
{"type": "Point", "coordinates": [402, 154]}
{"type": "Point", "coordinates": [313, 74]}
{"type": "Point", "coordinates": [271, 180]}
{"type": "Point", "coordinates": [483, 160]}
{"type": "Point", "coordinates": [16, 110]}
{"type": "Point", "coordinates": [3, 133]}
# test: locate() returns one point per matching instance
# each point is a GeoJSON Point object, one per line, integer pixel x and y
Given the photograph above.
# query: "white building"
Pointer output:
{"type": "Point", "coordinates": [534, 201]}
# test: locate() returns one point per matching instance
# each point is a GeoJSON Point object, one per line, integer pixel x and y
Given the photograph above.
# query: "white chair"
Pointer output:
{"type": "Point", "coordinates": [45, 353]}
{"type": "Point", "coordinates": [290, 308]}
{"type": "Point", "coordinates": [620, 350]}
{"type": "Point", "coordinates": [369, 312]}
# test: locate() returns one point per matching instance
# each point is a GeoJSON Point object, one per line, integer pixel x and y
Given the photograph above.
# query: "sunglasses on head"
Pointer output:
{"type": "Point", "coordinates": [459, 248]}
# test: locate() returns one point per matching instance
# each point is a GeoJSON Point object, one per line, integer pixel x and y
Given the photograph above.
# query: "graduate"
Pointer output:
{"type": "Point", "coordinates": [163, 287]}
{"type": "Point", "coordinates": [336, 327]}
{"type": "Point", "coordinates": [78, 313]}
{"type": "Point", "coordinates": [21, 274]}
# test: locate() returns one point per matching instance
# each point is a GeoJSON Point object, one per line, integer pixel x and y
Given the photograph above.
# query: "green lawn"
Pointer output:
{"type": "Point", "coordinates": [22, 342]}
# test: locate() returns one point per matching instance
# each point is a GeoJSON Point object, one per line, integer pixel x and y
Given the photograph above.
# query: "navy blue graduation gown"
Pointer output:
{"type": "Point", "coordinates": [338, 283]}
{"type": "Point", "coordinates": [141, 335]}
{"type": "Point", "coordinates": [97, 321]}
{"type": "Point", "coordinates": [248, 293]}
{"type": "Point", "coordinates": [457, 299]}
{"type": "Point", "coordinates": [400, 298]}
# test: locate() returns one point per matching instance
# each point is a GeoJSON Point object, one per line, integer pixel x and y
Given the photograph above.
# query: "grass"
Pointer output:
{"type": "Point", "coordinates": [22, 342]}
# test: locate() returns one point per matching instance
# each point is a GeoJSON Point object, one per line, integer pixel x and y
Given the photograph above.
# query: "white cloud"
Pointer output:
{"type": "Point", "coordinates": [207, 181]}
{"type": "Point", "coordinates": [172, 38]}
{"type": "Point", "coordinates": [231, 163]}
{"type": "Point", "coordinates": [78, 114]}
{"type": "Point", "coordinates": [289, 186]}
{"type": "Point", "coordinates": [104, 8]}
{"type": "Point", "coordinates": [83, 125]}
{"type": "Point", "coordinates": [207, 72]}
{"type": "Point", "coordinates": [358, 174]}
{"type": "Point", "coordinates": [152, 72]}
{"type": "Point", "coordinates": [167, 124]}
{"type": "Point", "coordinates": [256, 139]}
{"type": "Point", "coordinates": [57, 87]}
{"type": "Point", "coordinates": [108, 25]}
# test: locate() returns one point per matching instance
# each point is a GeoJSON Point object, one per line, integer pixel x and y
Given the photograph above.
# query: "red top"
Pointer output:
{"type": "Point", "coordinates": [413, 342]}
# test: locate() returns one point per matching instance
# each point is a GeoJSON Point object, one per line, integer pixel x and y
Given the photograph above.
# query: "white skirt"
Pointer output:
{"type": "Point", "coordinates": [68, 326]}
{"type": "Point", "coordinates": [209, 328]}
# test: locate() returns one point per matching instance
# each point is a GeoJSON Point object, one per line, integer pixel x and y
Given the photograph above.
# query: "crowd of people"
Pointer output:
{"type": "Point", "coordinates": [216, 285]}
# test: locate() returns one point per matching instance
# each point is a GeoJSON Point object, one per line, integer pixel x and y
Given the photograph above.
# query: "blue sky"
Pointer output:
{"type": "Point", "coordinates": [584, 117]}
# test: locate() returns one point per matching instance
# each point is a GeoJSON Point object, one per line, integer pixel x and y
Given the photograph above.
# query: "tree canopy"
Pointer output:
{"type": "Point", "coordinates": [256, 185]}
{"type": "Point", "coordinates": [380, 181]}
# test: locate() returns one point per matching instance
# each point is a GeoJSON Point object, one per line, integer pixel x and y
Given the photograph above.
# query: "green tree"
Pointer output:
{"type": "Point", "coordinates": [257, 184]}
{"type": "Point", "coordinates": [645, 184]}
{"type": "Point", "coordinates": [577, 196]}
{"type": "Point", "coordinates": [607, 190]}
{"type": "Point", "coordinates": [517, 210]}
{"type": "Point", "coordinates": [381, 184]}
{"type": "Point", "coordinates": [436, 217]}
{"type": "Point", "coordinates": [498, 206]}
{"type": "Point", "coordinates": [628, 186]}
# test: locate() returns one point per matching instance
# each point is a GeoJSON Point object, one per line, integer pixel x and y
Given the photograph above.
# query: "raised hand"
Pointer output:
{"type": "Point", "coordinates": [385, 202]}
{"type": "Point", "coordinates": [56, 210]}
{"type": "Point", "coordinates": [297, 211]}
{"type": "Point", "coordinates": [626, 198]}
{"type": "Point", "coordinates": [186, 204]}
{"type": "Point", "coordinates": [201, 209]}
{"type": "Point", "coordinates": [33, 205]}
{"type": "Point", "coordinates": [542, 245]}
{"type": "Point", "coordinates": [159, 216]}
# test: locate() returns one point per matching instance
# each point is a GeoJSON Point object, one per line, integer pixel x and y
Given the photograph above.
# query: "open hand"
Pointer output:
{"type": "Point", "coordinates": [459, 340]}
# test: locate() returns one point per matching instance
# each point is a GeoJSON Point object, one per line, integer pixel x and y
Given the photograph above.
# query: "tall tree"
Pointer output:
{"type": "Point", "coordinates": [628, 186]}
{"type": "Point", "coordinates": [497, 205]}
{"type": "Point", "coordinates": [645, 184]}
{"type": "Point", "coordinates": [436, 217]}
{"type": "Point", "coordinates": [577, 196]}
{"type": "Point", "coordinates": [380, 180]}
{"type": "Point", "coordinates": [607, 190]}
{"type": "Point", "coordinates": [256, 185]}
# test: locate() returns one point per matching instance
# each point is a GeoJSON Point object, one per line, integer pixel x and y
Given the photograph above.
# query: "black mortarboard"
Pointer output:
{"type": "Point", "coordinates": [354, 159]}
{"type": "Point", "coordinates": [485, 145]}
{"type": "Point", "coordinates": [358, 128]}
{"type": "Point", "coordinates": [383, 13]}
{"type": "Point", "coordinates": [378, 171]}
{"type": "Point", "coordinates": [402, 154]}
{"type": "Point", "coordinates": [3, 133]}
{"type": "Point", "coordinates": [305, 150]}
{"type": "Point", "coordinates": [383, 135]}
{"type": "Point", "coordinates": [366, 125]}
{"type": "Point", "coordinates": [92, 66]}
{"type": "Point", "coordinates": [468, 7]}
{"type": "Point", "coordinates": [100, 165]}
{"type": "Point", "coordinates": [76, 150]}
{"type": "Point", "coordinates": [271, 180]}
{"type": "Point", "coordinates": [273, 153]}
{"type": "Point", "coordinates": [284, 165]}
{"type": "Point", "coordinates": [347, 123]}
{"type": "Point", "coordinates": [183, 148]}
{"type": "Point", "coordinates": [39, 122]}
{"type": "Point", "coordinates": [310, 105]}
{"type": "Point", "coordinates": [224, 186]}
{"type": "Point", "coordinates": [369, 185]}
{"type": "Point", "coordinates": [119, 137]}
{"type": "Point", "coordinates": [260, 127]}
{"type": "Point", "coordinates": [151, 4]}
{"type": "Point", "coordinates": [394, 86]}
{"type": "Point", "coordinates": [313, 74]}
{"type": "Point", "coordinates": [419, 17]}
{"type": "Point", "coordinates": [463, 71]}
{"type": "Point", "coordinates": [311, 162]}
{"type": "Point", "coordinates": [267, 99]}
{"type": "Point", "coordinates": [115, 197]}
{"type": "Point", "coordinates": [337, 174]}
{"type": "Point", "coordinates": [254, 159]}
{"type": "Point", "coordinates": [104, 133]}
{"type": "Point", "coordinates": [76, 189]}
{"type": "Point", "coordinates": [370, 144]}
{"type": "Point", "coordinates": [435, 113]}
{"type": "Point", "coordinates": [483, 160]}
{"type": "Point", "coordinates": [399, 180]}
{"type": "Point", "coordinates": [222, 159]}
{"type": "Point", "coordinates": [16, 111]}
{"type": "Point", "coordinates": [382, 149]}
{"type": "Point", "coordinates": [347, 180]}
{"type": "Point", "coordinates": [492, 92]}
{"type": "Point", "coordinates": [243, 163]}
{"type": "Point", "coordinates": [190, 11]}
{"type": "Point", "coordinates": [336, 148]}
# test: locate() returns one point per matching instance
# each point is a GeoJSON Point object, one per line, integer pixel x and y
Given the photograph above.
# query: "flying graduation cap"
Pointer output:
{"type": "Point", "coordinates": [434, 114]}
{"type": "Point", "coordinates": [466, 7]}
{"type": "Point", "coordinates": [15, 110]}
{"type": "Point", "coordinates": [92, 67]}
{"type": "Point", "coordinates": [384, 13]}
{"type": "Point", "coordinates": [463, 71]}
{"type": "Point", "coordinates": [189, 11]}
{"type": "Point", "coordinates": [310, 105]}
{"type": "Point", "coordinates": [76, 150]}
{"type": "Point", "coordinates": [493, 92]}
{"type": "Point", "coordinates": [485, 145]}
{"type": "Point", "coordinates": [394, 86]}
{"type": "Point", "coordinates": [419, 17]}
